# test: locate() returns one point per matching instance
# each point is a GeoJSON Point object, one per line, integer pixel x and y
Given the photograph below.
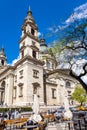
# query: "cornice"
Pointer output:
{"type": "Point", "coordinates": [51, 83]}
{"type": "Point", "coordinates": [34, 48]}
{"type": "Point", "coordinates": [31, 24]}
{"type": "Point", "coordinates": [22, 48]}
{"type": "Point", "coordinates": [61, 73]}
{"type": "Point", "coordinates": [36, 84]}
{"type": "Point", "coordinates": [30, 59]}
{"type": "Point", "coordinates": [6, 70]}
{"type": "Point", "coordinates": [64, 71]}
{"type": "Point", "coordinates": [29, 35]}
{"type": "Point", "coordinates": [19, 84]}
{"type": "Point", "coordinates": [12, 68]}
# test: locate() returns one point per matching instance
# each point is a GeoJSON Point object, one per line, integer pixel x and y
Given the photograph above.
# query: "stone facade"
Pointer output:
{"type": "Point", "coordinates": [34, 73]}
{"type": "Point", "coordinates": [56, 83]}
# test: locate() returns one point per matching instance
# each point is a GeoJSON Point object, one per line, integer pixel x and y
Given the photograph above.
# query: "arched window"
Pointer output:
{"type": "Point", "coordinates": [3, 85]}
{"type": "Point", "coordinates": [20, 89]}
{"type": "Point", "coordinates": [48, 64]}
{"type": "Point", "coordinates": [2, 61]}
{"type": "Point", "coordinates": [34, 54]}
{"type": "Point", "coordinates": [52, 66]}
{"type": "Point", "coordinates": [32, 31]}
{"type": "Point", "coordinates": [14, 91]}
{"type": "Point", "coordinates": [68, 85]}
{"type": "Point", "coordinates": [2, 92]}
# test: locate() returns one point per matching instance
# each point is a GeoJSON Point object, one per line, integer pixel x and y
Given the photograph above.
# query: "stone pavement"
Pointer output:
{"type": "Point", "coordinates": [52, 126]}
{"type": "Point", "coordinates": [58, 126]}
{"type": "Point", "coordinates": [55, 126]}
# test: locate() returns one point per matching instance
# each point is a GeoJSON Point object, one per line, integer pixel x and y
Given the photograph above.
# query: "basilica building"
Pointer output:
{"type": "Point", "coordinates": [34, 73]}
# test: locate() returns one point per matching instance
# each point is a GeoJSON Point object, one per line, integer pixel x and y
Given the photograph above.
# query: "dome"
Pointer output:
{"type": "Point", "coordinates": [43, 46]}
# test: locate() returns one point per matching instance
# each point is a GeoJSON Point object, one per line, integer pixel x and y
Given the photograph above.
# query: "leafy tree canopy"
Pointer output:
{"type": "Point", "coordinates": [79, 95]}
{"type": "Point", "coordinates": [71, 49]}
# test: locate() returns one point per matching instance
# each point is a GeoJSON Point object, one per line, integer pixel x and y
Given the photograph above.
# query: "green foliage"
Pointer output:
{"type": "Point", "coordinates": [56, 48]}
{"type": "Point", "coordinates": [17, 108]}
{"type": "Point", "coordinates": [79, 95]}
{"type": "Point", "coordinates": [70, 46]}
{"type": "Point", "coordinates": [73, 38]}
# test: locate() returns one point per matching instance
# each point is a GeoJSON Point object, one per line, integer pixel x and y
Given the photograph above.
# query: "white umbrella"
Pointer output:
{"type": "Point", "coordinates": [36, 117]}
{"type": "Point", "coordinates": [36, 104]}
{"type": "Point", "coordinates": [68, 113]}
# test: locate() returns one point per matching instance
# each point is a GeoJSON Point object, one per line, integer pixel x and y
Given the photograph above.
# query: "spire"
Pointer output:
{"type": "Point", "coordinates": [29, 24]}
{"type": "Point", "coordinates": [29, 11]}
{"type": "Point", "coordinates": [2, 48]}
{"type": "Point", "coordinates": [2, 57]}
{"type": "Point", "coordinates": [42, 39]}
{"type": "Point", "coordinates": [2, 51]}
{"type": "Point", "coordinates": [42, 36]}
{"type": "Point", "coordinates": [29, 16]}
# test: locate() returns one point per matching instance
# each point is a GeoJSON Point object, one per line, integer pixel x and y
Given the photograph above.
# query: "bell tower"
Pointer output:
{"type": "Point", "coordinates": [2, 57]}
{"type": "Point", "coordinates": [29, 41]}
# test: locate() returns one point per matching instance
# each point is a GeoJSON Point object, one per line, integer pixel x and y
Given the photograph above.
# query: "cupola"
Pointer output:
{"type": "Point", "coordinates": [43, 46]}
{"type": "Point", "coordinates": [2, 57]}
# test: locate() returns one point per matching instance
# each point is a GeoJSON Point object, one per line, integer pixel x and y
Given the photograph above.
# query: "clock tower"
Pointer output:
{"type": "Point", "coordinates": [29, 41]}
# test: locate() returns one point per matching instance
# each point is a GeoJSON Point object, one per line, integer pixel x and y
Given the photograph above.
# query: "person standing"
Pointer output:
{"type": "Point", "coordinates": [16, 113]}
{"type": "Point", "coordinates": [57, 115]}
{"type": "Point", "coordinates": [9, 114]}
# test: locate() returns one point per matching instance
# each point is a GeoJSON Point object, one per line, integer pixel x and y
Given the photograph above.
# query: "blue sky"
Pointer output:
{"type": "Point", "coordinates": [46, 13]}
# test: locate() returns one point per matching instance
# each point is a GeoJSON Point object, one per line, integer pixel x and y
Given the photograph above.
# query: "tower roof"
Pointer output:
{"type": "Point", "coordinates": [29, 16]}
{"type": "Point", "coordinates": [42, 40]}
{"type": "Point", "coordinates": [43, 46]}
{"type": "Point", "coordinates": [29, 20]}
{"type": "Point", "coordinates": [2, 52]}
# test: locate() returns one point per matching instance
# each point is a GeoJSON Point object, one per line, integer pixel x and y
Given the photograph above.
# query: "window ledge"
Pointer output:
{"type": "Point", "coordinates": [53, 97]}
{"type": "Point", "coordinates": [35, 76]}
{"type": "Point", "coordinates": [20, 95]}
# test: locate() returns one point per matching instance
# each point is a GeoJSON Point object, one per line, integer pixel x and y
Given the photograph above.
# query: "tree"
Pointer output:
{"type": "Point", "coordinates": [71, 49]}
{"type": "Point", "coordinates": [79, 95]}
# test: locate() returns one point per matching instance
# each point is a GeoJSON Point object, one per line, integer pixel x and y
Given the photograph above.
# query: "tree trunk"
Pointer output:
{"type": "Point", "coordinates": [81, 103]}
{"type": "Point", "coordinates": [79, 79]}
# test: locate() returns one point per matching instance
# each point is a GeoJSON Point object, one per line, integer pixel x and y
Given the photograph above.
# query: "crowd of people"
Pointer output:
{"type": "Point", "coordinates": [10, 114]}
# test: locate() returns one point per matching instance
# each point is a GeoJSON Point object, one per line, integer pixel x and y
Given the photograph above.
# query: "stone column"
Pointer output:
{"type": "Point", "coordinates": [10, 89]}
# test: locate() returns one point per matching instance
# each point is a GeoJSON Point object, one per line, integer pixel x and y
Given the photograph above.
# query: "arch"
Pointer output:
{"type": "Point", "coordinates": [48, 64]}
{"type": "Point", "coordinates": [32, 31]}
{"type": "Point", "coordinates": [34, 54]}
{"type": "Point", "coordinates": [2, 62]}
{"type": "Point", "coordinates": [3, 84]}
{"type": "Point", "coordinates": [68, 84]}
{"type": "Point", "coordinates": [2, 92]}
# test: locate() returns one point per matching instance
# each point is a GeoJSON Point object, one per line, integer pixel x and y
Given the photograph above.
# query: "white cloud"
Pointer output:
{"type": "Point", "coordinates": [79, 13]}
{"type": "Point", "coordinates": [78, 67]}
{"type": "Point", "coordinates": [39, 34]}
{"type": "Point", "coordinates": [84, 78]}
{"type": "Point", "coordinates": [14, 61]}
{"type": "Point", "coordinates": [54, 29]}
{"type": "Point", "coordinates": [50, 28]}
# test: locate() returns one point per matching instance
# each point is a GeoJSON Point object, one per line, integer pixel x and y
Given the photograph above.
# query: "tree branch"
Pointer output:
{"type": "Point", "coordinates": [79, 79]}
